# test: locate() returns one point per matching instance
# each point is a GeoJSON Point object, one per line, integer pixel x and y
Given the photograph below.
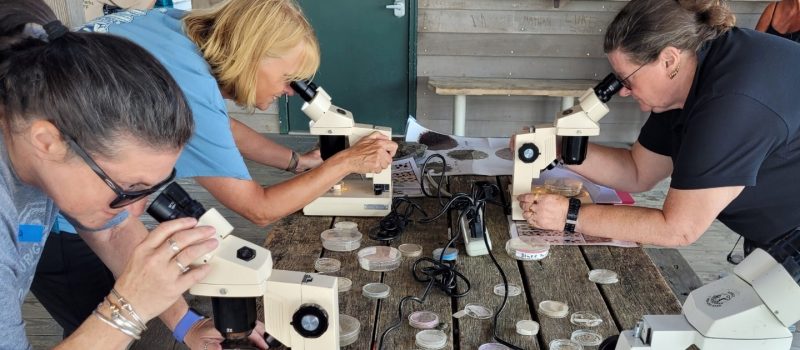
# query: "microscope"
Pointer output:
{"type": "Point", "coordinates": [750, 309]}
{"type": "Point", "coordinates": [355, 195]}
{"type": "Point", "coordinates": [301, 310]}
{"type": "Point", "coordinates": [535, 151]}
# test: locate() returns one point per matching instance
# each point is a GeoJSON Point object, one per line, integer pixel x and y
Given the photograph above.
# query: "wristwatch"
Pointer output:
{"type": "Point", "coordinates": [572, 214]}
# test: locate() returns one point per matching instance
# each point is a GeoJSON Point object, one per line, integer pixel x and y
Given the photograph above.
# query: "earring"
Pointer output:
{"type": "Point", "coordinates": [674, 73]}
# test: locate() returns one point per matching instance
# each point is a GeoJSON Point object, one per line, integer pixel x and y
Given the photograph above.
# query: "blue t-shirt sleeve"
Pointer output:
{"type": "Point", "coordinates": [69, 225]}
{"type": "Point", "coordinates": [727, 140]}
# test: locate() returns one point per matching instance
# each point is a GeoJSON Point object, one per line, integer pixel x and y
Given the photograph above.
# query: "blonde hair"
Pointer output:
{"type": "Point", "coordinates": [236, 35]}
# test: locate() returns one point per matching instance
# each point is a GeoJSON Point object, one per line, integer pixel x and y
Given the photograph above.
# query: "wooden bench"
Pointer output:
{"type": "Point", "coordinates": [461, 87]}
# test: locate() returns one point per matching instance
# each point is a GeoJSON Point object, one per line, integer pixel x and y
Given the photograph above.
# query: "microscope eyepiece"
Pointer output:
{"type": "Point", "coordinates": [608, 87]}
{"type": "Point", "coordinates": [305, 89]}
{"type": "Point", "coordinates": [173, 203]}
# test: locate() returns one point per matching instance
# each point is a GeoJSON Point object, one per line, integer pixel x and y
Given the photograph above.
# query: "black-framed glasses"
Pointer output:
{"type": "Point", "coordinates": [124, 198]}
{"type": "Point", "coordinates": [625, 81]}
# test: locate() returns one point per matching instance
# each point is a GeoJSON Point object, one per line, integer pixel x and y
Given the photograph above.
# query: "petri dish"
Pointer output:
{"type": "Point", "coordinates": [527, 248]}
{"type": "Point", "coordinates": [585, 319]}
{"type": "Point", "coordinates": [527, 327]}
{"type": "Point", "coordinates": [327, 265]}
{"type": "Point", "coordinates": [344, 237]}
{"type": "Point", "coordinates": [375, 290]}
{"type": "Point", "coordinates": [379, 258]}
{"type": "Point", "coordinates": [449, 255]}
{"type": "Point", "coordinates": [603, 276]}
{"type": "Point", "coordinates": [344, 284]}
{"type": "Point", "coordinates": [565, 344]}
{"type": "Point", "coordinates": [478, 311]}
{"type": "Point", "coordinates": [586, 337]}
{"type": "Point", "coordinates": [564, 186]}
{"type": "Point", "coordinates": [423, 320]}
{"type": "Point", "coordinates": [492, 346]}
{"type": "Point", "coordinates": [431, 339]}
{"type": "Point", "coordinates": [410, 250]}
{"type": "Point", "coordinates": [554, 309]}
{"type": "Point", "coordinates": [349, 328]}
{"type": "Point", "coordinates": [513, 289]}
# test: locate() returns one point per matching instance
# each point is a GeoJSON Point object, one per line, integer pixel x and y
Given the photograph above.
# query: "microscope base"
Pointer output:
{"type": "Point", "coordinates": [356, 198]}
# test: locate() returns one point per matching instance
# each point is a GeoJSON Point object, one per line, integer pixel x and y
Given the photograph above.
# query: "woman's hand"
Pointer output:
{"type": "Point", "coordinates": [157, 274]}
{"type": "Point", "coordinates": [545, 211]}
{"type": "Point", "coordinates": [308, 161]}
{"type": "Point", "coordinates": [371, 154]}
{"type": "Point", "coordinates": [203, 336]}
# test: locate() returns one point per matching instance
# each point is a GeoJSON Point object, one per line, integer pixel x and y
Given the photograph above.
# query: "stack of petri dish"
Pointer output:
{"type": "Point", "coordinates": [423, 320]}
{"type": "Point", "coordinates": [379, 258]}
{"type": "Point", "coordinates": [586, 337]}
{"type": "Point", "coordinates": [327, 265]}
{"type": "Point", "coordinates": [554, 309]}
{"type": "Point", "coordinates": [431, 339]}
{"type": "Point", "coordinates": [375, 290]}
{"type": "Point", "coordinates": [566, 187]}
{"type": "Point", "coordinates": [527, 248]}
{"type": "Point", "coordinates": [344, 284]}
{"type": "Point", "coordinates": [527, 327]}
{"type": "Point", "coordinates": [603, 276]}
{"type": "Point", "coordinates": [565, 344]}
{"type": "Point", "coordinates": [343, 237]}
{"type": "Point", "coordinates": [410, 250]}
{"type": "Point", "coordinates": [349, 327]}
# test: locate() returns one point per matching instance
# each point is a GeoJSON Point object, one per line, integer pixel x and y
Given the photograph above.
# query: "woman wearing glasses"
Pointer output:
{"type": "Point", "coordinates": [89, 132]}
{"type": "Point", "coordinates": [724, 124]}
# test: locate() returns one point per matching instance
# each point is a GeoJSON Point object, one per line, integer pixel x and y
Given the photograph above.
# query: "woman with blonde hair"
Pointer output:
{"type": "Point", "coordinates": [247, 51]}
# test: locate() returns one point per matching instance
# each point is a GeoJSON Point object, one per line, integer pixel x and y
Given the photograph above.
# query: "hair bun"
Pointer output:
{"type": "Point", "coordinates": [55, 30]}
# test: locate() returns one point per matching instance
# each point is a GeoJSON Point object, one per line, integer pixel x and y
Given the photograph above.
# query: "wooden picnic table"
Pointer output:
{"type": "Point", "coordinates": [562, 276]}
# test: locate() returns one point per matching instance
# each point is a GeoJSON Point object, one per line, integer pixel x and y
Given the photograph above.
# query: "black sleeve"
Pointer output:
{"type": "Point", "coordinates": [656, 134]}
{"type": "Point", "coordinates": [725, 143]}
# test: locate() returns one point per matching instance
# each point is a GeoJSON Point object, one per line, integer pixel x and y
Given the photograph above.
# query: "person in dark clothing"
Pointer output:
{"type": "Point", "coordinates": [781, 18]}
{"type": "Point", "coordinates": [724, 125]}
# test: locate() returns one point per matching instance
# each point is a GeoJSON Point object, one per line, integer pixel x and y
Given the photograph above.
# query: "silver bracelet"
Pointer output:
{"type": "Point", "coordinates": [122, 321]}
{"type": "Point", "coordinates": [129, 309]}
{"type": "Point", "coordinates": [108, 322]}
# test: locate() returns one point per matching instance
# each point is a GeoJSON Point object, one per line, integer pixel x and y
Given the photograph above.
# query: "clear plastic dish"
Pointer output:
{"type": "Point", "coordinates": [527, 327]}
{"type": "Point", "coordinates": [344, 284]}
{"type": "Point", "coordinates": [379, 258]}
{"type": "Point", "coordinates": [527, 248]}
{"type": "Point", "coordinates": [492, 346]}
{"type": "Point", "coordinates": [513, 290]}
{"type": "Point", "coordinates": [327, 265]}
{"type": "Point", "coordinates": [554, 309]}
{"type": "Point", "coordinates": [585, 319]}
{"type": "Point", "coordinates": [566, 187]}
{"type": "Point", "coordinates": [410, 250]}
{"type": "Point", "coordinates": [586, 337]}
{"type": "Point", "coordinates": [564, 344]}
{"type": "Point", "coordinates": [423, 320]}
{"type": "Point", "coordinates": [349, 327]}
{"type": "Point", "coordinates": [375, 290]}
{"type": "Point", "coordinates": [450, 254]}
{"type": "Point", "coordinates": [344, 237]}
{"type": "Point", "coordinates": [431, 339]}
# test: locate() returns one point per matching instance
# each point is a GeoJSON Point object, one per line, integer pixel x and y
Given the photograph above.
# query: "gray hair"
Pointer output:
{"type": "Point", "coordinates": [643, 28]}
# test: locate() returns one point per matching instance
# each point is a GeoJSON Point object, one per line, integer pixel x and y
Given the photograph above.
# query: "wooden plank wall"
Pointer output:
{"type": "Point", "coordinates": [522, 39]}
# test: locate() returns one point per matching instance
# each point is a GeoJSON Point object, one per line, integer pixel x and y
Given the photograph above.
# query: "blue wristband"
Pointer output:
{"type": "Point", "coordinates": [183, 326]}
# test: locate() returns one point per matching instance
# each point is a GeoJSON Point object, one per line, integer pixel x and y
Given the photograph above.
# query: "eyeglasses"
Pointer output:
{"type": "Point", "coordinates": [625, 81]}
{"type": "Point", "coordinates": [124, 198]}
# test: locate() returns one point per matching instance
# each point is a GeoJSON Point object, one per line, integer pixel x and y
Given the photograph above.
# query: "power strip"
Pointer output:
{"type": "Point", "coordinates": [473, 231]}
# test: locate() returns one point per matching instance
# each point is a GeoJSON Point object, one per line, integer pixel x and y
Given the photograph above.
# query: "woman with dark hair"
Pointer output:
{"type": "Point", "coordinates": [724, 124]}
{"type": "Point", "coordinates": [89, 131]}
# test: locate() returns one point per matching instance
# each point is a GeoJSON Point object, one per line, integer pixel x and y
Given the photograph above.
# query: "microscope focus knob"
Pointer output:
{"type": "Point", "coordinates": [310, 321]}
{"type": "Point", "coordinates": [528, 153]}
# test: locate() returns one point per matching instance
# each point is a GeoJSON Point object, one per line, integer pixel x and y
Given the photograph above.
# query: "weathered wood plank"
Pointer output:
{"type": "Point", "coordinates": [430, 236]}
{"type": "Point", "coordinates": [591, 68]}
{"type": "Point", "coordinates": [44, 342]}
{"type": "Point", "coordinates": [483, 276]}
{"type": "Point", "coordinates": [679, 275]}
{"type": "Point", "coordinates": [509, 45]}
{"type": "Point", "coordinates": [352, 303]}
{"type": "Point", "coordinates": [504, 87]}
{"type": "Point", "coordinates": [641, 289]}
{"type": "Point", "coordinates": [157, 336]}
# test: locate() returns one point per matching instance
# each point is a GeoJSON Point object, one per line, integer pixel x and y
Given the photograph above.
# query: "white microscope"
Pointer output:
{"type": "Point", "coordinates": [750, 309]}
{"type": "Point", "coordinates": [355, 195]}
{"type": "Point", "coordinates": [301, 310]}
{"type": "Point", "coordinates": [535, 151]}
